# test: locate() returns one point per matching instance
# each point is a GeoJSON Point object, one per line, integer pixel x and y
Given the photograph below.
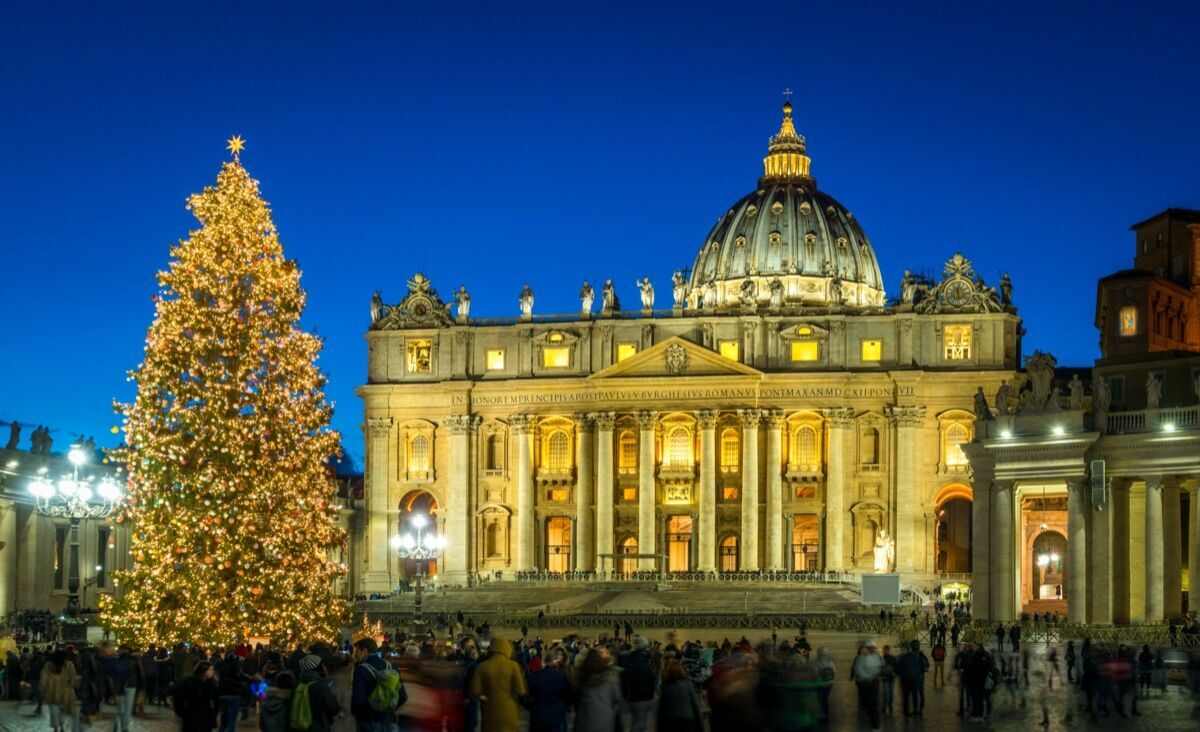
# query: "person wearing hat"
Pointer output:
{"type": "Point", "coordinates": [321, 700]}
{"type": "Point", "coordinates": [497, 683]}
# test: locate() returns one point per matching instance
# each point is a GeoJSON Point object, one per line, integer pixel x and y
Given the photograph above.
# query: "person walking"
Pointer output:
{"type": "Point", "coordinates": [277, 704]}
{"type": "Point", "coordinates": [126, 678]}
{"type": "Point", "coordinates": [939, 665]}
{"type": "Point", "coordinates": [598, 694]}
{"type": "Point", "coordinates": [826, 673]}
{"type": "Point", "coordinates": [550, 693]}
{"type": "Point", "coordinates": [638, 683]}
{"type": "Point", "coordinates": [1069, 655]}
{"type": "Point", "coordinates": [999, 637]}
{"type": "Point", "coordinates": [911, 668]}
{"type": "Point", "coordinates": [679, 705]}
{"type": "Point", "coordinates": [195, 699]}
{"type": "Point", "coordinates": [1014, 637]}
{"type": "Point", "coordinates": [865, 672]}
{"type": "Point", "coordinates": [498, 683]}
{"type": "Point", "coordinates": [322, 703]}
{"type": "Point", "coordinates": [368, 665]}
{"type": "Point", "coordinates": [58, 690]}
{"type": "Point", "coordinates": [33, 675]}
{"type": "Point", "coordinates": [887, 679]}
{"type": "Point", "coordinates": [232, 684]}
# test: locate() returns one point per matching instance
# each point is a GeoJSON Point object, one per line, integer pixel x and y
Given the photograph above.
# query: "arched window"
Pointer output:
{"type": "Point", "coordinates": [679, 447]}
{"type": "Point", "coordinates": [418, 457]}
{"type": "Point", "coordinates": [956, 435]}
{"type": "Point", "coordinates": [559, 452]}
{"type": "Point", "coordinates": [491, 540]}
{"type": "Point", "coordinates": [629, 452]}
{"type": "Point", "coordinates": [494, 452]}
{"type": "Point", "coordinates": [730, 450]}
{"type": "Point", "coordinates": [729, 553]}
{"type": "Point", "coordinates": [804, 448]}
{"type": "Point", "coordinates": [870, 446]}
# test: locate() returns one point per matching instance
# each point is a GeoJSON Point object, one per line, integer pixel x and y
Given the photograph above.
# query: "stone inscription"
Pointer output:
{"type": "Point", "coordinates": [660, 395]}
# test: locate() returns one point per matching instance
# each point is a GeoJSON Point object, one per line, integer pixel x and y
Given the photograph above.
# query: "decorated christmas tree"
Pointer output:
{"type": "Point", "coordinates": [227, 444]}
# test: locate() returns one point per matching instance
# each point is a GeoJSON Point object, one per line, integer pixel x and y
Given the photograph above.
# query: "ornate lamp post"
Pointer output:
{"type": "Point", "coordinates": [422, 547]}
{"type": "Point", "coordinates": [75, 498]}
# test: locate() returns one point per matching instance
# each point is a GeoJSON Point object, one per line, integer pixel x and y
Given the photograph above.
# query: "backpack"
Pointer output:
{"type": "Point", "coordinates": [300, 715]}
{"type": "Point", "coordinates": [388, 692]}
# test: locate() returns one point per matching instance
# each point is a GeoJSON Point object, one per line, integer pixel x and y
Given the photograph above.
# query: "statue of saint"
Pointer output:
{"type": "Point", "coordinates": [608, 298]}
{"type": "Point", "coordinates": [776, 287]}
{"type": "Point", "coordinates": [464, 302]}
{"type": "Point", "coordinates": [835, 291]}
{"type": "Point", "coordinates": [885, 551]}
{"type": "Point", "coordinates": [748, 292]}
{"type": "Point", "coordinates": [14, 435]}
{"type": "Point", "coordinates": [376, 307]}
{"type": "Point", "coordinates": [1076, 389]}
{"type": "Point", "coordinates": [709, 299]}
{"type": "Point", "coordinates": [647, 292]}
{"type": "Point", "coordinates": [1005, 290]}
{"type": "Point", "coordinates": [1153, 391]}
{"type": "Point", "coordinates": [1002, 395]}
{"type": "Point", "coordinates": [526, 301]}
{"type": "Point", "coordinates": [586, 297]}
{"type": "Point", "coordinates": [908, 287]}
{"type": "Point", "coordinates": [982, 413]}
{"type": "Point", "coordinates": [679, 288]}
{"type": "Point", "coordinates": [1040, 367]}
{"type": "Point", "coordinates": [1101, 396]}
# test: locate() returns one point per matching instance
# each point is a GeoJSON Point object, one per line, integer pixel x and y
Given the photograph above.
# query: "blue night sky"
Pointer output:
{"type": "Point", "coordinates": [500, 143]}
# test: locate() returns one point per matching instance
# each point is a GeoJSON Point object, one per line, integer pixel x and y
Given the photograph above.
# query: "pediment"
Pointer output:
{"type": "Point", "coordinates": [676, 357]}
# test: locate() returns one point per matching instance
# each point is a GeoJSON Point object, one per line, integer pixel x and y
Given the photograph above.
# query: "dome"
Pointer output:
{"type": "Point", "coordinates": [786, 244]}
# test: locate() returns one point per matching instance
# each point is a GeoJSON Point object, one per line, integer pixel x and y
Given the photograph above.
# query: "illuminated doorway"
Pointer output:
{"type": "Point", "coordinates": [417, 508]}
{"type": "Point", "coordinates": [952, 532]}
{"type": "Point", "coordinates": [627, 563]}
{"type": "Point", "coordinates": [729, 553]}
{"type": "Point", "coordinates": [679, 543]}
{"type": "Point", "coordinates": [806, 542]}
{"type": "Point", "coordinates": [1048, 576]}
{"type": "Point", "coordinates": [558, 544]}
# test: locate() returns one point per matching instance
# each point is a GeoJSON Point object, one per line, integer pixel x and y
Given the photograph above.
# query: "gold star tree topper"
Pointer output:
{"type": "Point", "coordinates": [235, 145]}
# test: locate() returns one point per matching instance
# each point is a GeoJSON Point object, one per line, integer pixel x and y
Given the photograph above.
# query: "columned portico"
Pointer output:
{"type": "Point", "coordinates": [707, 523]}
{"type": "Point", "coordinates": [749, 538]}
{"type": "Point", "coordinates": [582, 532]}
{"type": "Point", "coordinates": [522, 427]}
{"type": "Point", "coordinates": [604, 489]}
{"type": "Point", "coordinates": [646, 491]}
{"type": "Point", "coordinates": [775, 490]}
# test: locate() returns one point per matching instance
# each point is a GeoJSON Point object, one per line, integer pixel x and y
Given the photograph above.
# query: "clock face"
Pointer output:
{"type": "Point", "coordinates": [958, 293]}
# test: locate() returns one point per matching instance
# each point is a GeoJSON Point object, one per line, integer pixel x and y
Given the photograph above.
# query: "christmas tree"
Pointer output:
{"type": "Point", "coordinates": [230, 500]}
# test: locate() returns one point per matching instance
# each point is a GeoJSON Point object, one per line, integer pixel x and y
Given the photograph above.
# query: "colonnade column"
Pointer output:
{"type": "Point", "coordinates": [377, 578]}
{"type": "Point", "coordinates": [1172, 550]}
{"type": "Point", "coordinates": [775, 490]}
{"type": "Point", "coordinates": [1194, 548]}
{"type": "Point", "coordinates": [1077, 550]}
{"type": "Point", "coordinates": [748, 541]}
{"type": "Point", "coordinates": [582, 536]}
{"type": "Point", "coordinates": [906, 420]}
{"type": "Point", "coordinates": [981, 554]}
{"type": "Point", "coordinates": [1102, 560]}
{"type": "Point", "coordinates": [1154, 550]}
{"type": "Point", "coordinates": [1003, 601]}
{"type": "Point", "coordinates": [646, 528]}
{"type": "Point", "coordinates": [458, 510]}
{"type": "Point", "coordinates": [707, 520]}
{"type": "Point", "coordinates": [522, 427]}
{"type": "Point", "coordinates": [8, 557]}
{"type": "Point", "coordinates": [604, 489]}
{"type": "Point", "coordinates": [838, 419]}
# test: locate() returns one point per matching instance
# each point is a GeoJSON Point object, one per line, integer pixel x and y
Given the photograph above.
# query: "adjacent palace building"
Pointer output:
{"type": "Point", "coordinates": [779, 413]}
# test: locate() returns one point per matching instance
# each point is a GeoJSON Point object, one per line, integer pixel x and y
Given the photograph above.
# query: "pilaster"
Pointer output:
{"type": "Point", "coordinates": [838, 420]}
{"type": "Point", "coordinates": [582, 545]}
{"type": "Point", "coordinates": [646, 531]}
{"type": "Point", "coordinates": [457, 512]}
{"type": "Point", "coordinates": [748, 542]}
{"type": "Point", "coordinates": [907, 421]}
{"type": "Point", "coordinates": [377, 578]}
{"type": "Point", "coordinates": [707, 520]}
{"type": "Point", "coordinates": [604, 422]}
{"type": "Point", "coordinates": [774, 482]}
{"type": "Point", "coordinates": [522, 428]}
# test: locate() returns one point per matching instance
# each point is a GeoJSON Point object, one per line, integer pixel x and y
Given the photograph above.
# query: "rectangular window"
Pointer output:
{"type": "Point", "coordinates": [625, 350]}
{"type": "Point", "coordinates": [957, 339]}
{"type": "Point", "coordinates": [872, 349]}
{"type": "Point", "coordinates": [556, 495]}
{"type": "Point", "coordinates": [730, 453]}
{"type": "Point", "coordinates": [805, 351]}
{"type": "Point", "coordinates": [420, 360]}
{"type": "Point", "coordinates": [1127, 321]}
{"type": "Point", "coordinates": [729, 349]}
{"type": "Point", "coordinates": [556, 358]}
{"type": "Point", "coordinates": [495, 359]}
{"type": "Point", "coordinates": [730, 493]}
{"type": "Point", "coordinates": [628, 495]}
{"type": "Point", "coordinates": [629, 453]}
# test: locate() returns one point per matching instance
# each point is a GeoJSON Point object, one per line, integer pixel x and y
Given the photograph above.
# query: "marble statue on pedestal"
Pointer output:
{"type": "Point", "coordinates": [608, 298]}
{"type": "Point", "coordinates": [679, 288]}
{"type": "Point", "coordinates": [526, 301]}
{"type": "Point", "coordinates": [982, 413]}
{"type": "Point", "coordinates": [647, 293]}
{"type": "Point", "coordinates": [1153, 391]}
{"type": "Point", "coordinates": [1005, 290]}
{"type": "Point", "coordinates": [885, 551]}
{"type": "Point", "coordinates": [1076, 390]}
{"type": "Point", "coordinates": [748, 292]}
{"type": "Point", "coordinates": [1101, 396]}
{"type": "Point", "coordinates": [586, 297]}
{"type": "Point", "coordinates": [14, 435]}
{"type": "Point", "coordinates": [776, 288]}
{"type": "Point", "coordinates": [464, 302]}
{"type": "Point", "coordinates": [1002, 397]}
{"type": "Point", "coordinates": [376, 307]}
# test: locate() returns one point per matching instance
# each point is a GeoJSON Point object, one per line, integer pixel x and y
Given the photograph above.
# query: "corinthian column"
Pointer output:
{"type": "Point", "coordinates": [604, 489]}
{"type": "Point", "coordinates": [376, 578]}
{"type": "Point", "coordinates": [458, 502]}
{"type": "Point", "coordinates": [707, 522]}
{"type": "Point", "coordinates": [522, 427]}
{"type": "Point", "coordinates": [1003, 602]}
{"type": "Point", "coordinates": [907, 421]}
{"type": "Point", "coordinates": [838, 420]}
{"type": "Point", "coordinates": [582, 536]}
{"type": "Point", "coordinates": [1077, 550]}
{"type": "Point", "coordinates": [1194, 551]}
{"type": "Point", "coordinates": [748, 545]}
{"type": "Point", "coordinates": [1154, 550]}
{"type": "Point", "coordinates": [775, 490]}
{"type": "Point", "coordinates": [981, 545]}
{"type": "Point", "coordinates": [646, 527]}
{"type": "Point", "coordinates": [1172, 550]}
{"type": "Point", "coordinates": [1101, 580]}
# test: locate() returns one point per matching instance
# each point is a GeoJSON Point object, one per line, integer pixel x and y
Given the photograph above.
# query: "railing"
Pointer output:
{"type": "Point", "coordinates": [762, 576]}
{"type": "Point", "coordinates": [1150, 420]}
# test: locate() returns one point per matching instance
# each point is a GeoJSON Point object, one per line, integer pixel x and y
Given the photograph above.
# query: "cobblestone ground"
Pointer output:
{"type": "Point", "coordinates": [1162, 711]}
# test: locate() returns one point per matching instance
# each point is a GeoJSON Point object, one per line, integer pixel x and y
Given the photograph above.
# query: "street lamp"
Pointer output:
{"type": "Point", "coordinates": [75, 498]}
{"type": "Point", "coordinates": [421, 547]}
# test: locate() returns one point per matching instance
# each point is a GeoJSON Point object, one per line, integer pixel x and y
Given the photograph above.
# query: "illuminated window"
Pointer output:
{"type": "Point", "coordinates": [558, 452]}
{"type": "Point", "coordinates": [730, 451]}
{"type": "Point", "coordinates": [729, 554]}
{"type": "Point", "coordinates": [629, 453]}
{"type": "Point", "coordinates": [554, 337]}
{"type": "Point", "coordinates": [1128, 320]}
{"type": "Point", "coordinates": [803, 330]}
{"type": "Point", "coordinates": [730, 493]}
{"type": "Point", "coordinates": [679, 447]}
{"type": "Point", "coordinates": [556, 358]}
{"type": "Point", "coordinates": [557, 495]}
{"type": "Point", "coordinates": [804, 448]}
{"type": "Point", "coordinates": [419, 357]}
{"type": "Point", "coordinates": [625, 350]}
{"type": "Point", "coordinates": [872, 349]}
{"type": "Point", "coordinates": [628, 494]}
{"type": "Point", "coordinates": [805, 351]}
{"type": "Point", "coordinates": [418, 458]}
{"type": "Point", "coordinates": [957, 339]}
{"type": "Point", "coordinates": [956, 434]}
{"type": "Point", "coordinates": [729, 349]}
{"type": "Point", "coordinates": [495, 359]}
{"type": "Point", "coordinates": [558, 543]}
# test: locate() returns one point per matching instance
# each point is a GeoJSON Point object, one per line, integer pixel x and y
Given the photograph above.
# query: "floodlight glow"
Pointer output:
{"type": "Point", "coordinates": [1059, 431]}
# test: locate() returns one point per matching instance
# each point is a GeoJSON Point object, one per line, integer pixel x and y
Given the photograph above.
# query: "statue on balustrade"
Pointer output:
{"type": "Point", "coordinates": [14, 435]}
{"type": "Point", "coordinates": [1153, 391]}
{"type": "Point", "coordinates": [982, 413]}
{"type": "Point", "coordinates": [376, 307]}
{"type": "Point", "coordinates": [885, 551]}
{"type": "Point", "coordinates": [464, 302]}
{"type": "Point", "coordinates": [1005, 290]}
{"type": "Point", "coordinates": [679, 288]}
{"type": "Point", "coordinates": [1076, 388]}
{"type": "Point", "coordinates": [1002, 397]}
{"type": "Point", "coordinates": [586, 297]}
{"type": "Point", "coordinates": [526, 301]}
{"type": "Point", "coordinates": [608, 298]}
{"type": "Point", "coordinates": [647, 293]}
{"type": "Point", "coordinates": [1101, 396]}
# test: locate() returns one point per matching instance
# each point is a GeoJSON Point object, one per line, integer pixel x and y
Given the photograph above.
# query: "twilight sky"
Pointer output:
{"type": "Point", "coordinates": [497, 143]}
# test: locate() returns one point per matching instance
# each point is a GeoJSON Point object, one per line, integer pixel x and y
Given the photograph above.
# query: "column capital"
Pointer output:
{"type": "Point", "coordinates": [379, 427]}
{"type": "Point", "coordinates": [774, 418]}
{"type": "Point", "coordinates": [1078, 483]}
{"type": "Point", "coordinates": [838, 417]}
{"type": "Point", "coordinates": [583, 421]}
{"type": "Point", "coordinates": [749, 418]}
{"type": "Point", "coordinates": [904, 416]}
{"type": "Point", "coordinates": [707, 418]}
{"type": "Point", "coordinates": [646, 419]}
{"type": "Point", "coordinates": [521, 423]}
{"type": "Point", "coordinates": [1003, 484]}
{"type": "Point", "coordinates": [1154, 482]}
{"type": "Point", "coordinates": [461, 424]}
{"type": "Point", "coordinates": [604, 421]}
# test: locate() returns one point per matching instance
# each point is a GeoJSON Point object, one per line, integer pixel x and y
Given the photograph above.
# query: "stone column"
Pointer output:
{"type": "Point", "coordinates": [457, 511]}
{"type": "Point", "coordinates": [8, 557]}
{"type": "Point", "coordinates": [522, 427]}
{"type": "Point", "coordinates": [646, 528]}
{"type": "Point", "coordinates": [1004, 605]}
{"type": "Point", "coordinates": [981, 554]}
{"type": "Point", "coordinates": [775, 490]}
{"type": "Point", "coordinates": [377, 578]}
{"type": "Point", "coordinates": [581, 537]}
{"type": "Point", "coordinates": [604, 488]}
{"type": "Point", "coordinates": [748, 541]}
{"type": "Point", "coordinates": [1101, 558]}
{"type": "Point", "coordinates": [1154, 549]}
{"type": "Point", "coordinates": [1077, 597]}
{"type": "Point", "coordinates": [706, 527]}
{"type": "Point", "coordinates": [907, 421]}
{"type": "Point", "coordinates": [1172, 550]}
{"type": "Point", "coordinates": [1194, 549]}
{"type": "Point", "coordinates": [838, 420]}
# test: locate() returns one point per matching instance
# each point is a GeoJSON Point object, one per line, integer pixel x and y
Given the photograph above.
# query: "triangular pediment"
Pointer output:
{"type": "Point", "coordinates": [676, 357]}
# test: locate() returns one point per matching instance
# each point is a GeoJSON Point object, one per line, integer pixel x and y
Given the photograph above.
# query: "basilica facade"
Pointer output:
{"type": "Point", "coordinates": [779, 413]}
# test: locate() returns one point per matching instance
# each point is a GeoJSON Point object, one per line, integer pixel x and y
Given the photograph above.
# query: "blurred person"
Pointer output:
{"type": "Point", "coordinates": [865, 672]}
{"type": "Point", "coordinates": [638, 683]}
{"type": "Point", "coordinates": [550, 693]}
{"type": "Point", "coordinates": [58, 690]}
{"type": "Point", "coordinates": [679, 704]}
{"type": "Point", "coordinates": [887, 678]}
{"type": "Point", "coordinates": [195, 699]}
{"type": "Point", "coordinates": [598, 694]}
{"type": "Point", "coordinates": [498, 683]}
{"type": "Point", "coordinates": [277, 705]}
{"type": "Point", "coordinates": [911, 668]}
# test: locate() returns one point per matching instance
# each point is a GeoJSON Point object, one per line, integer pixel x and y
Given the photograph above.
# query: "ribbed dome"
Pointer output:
{"type": "Point", "coordinates": [790, 231]}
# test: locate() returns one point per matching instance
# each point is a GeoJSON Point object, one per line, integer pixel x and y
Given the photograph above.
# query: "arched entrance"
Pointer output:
{"type": "Point", "coordinates": [558, 544]}
{"type": "Point", "coordinates": [952, 534]}
{"type": "Point", "coordinates": [417, 507]}
{"type": "Point", "coordinates": [729, 553]}
{"type": "Point", "coordinates": [1048, 576]}
{"type": "Point", "coordinates": [626, 562]}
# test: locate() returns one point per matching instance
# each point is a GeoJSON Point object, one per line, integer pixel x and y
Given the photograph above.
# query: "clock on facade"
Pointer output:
{"type": "Point", "coordinates": [958, 293]}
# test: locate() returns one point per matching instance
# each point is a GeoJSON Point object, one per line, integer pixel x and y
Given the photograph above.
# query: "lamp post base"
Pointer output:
{"type": "Point", "coordinates": [74, 632]}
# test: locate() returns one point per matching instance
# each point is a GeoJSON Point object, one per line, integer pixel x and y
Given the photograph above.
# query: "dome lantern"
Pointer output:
{"type": "Point", "coordinates": [786, 158]}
